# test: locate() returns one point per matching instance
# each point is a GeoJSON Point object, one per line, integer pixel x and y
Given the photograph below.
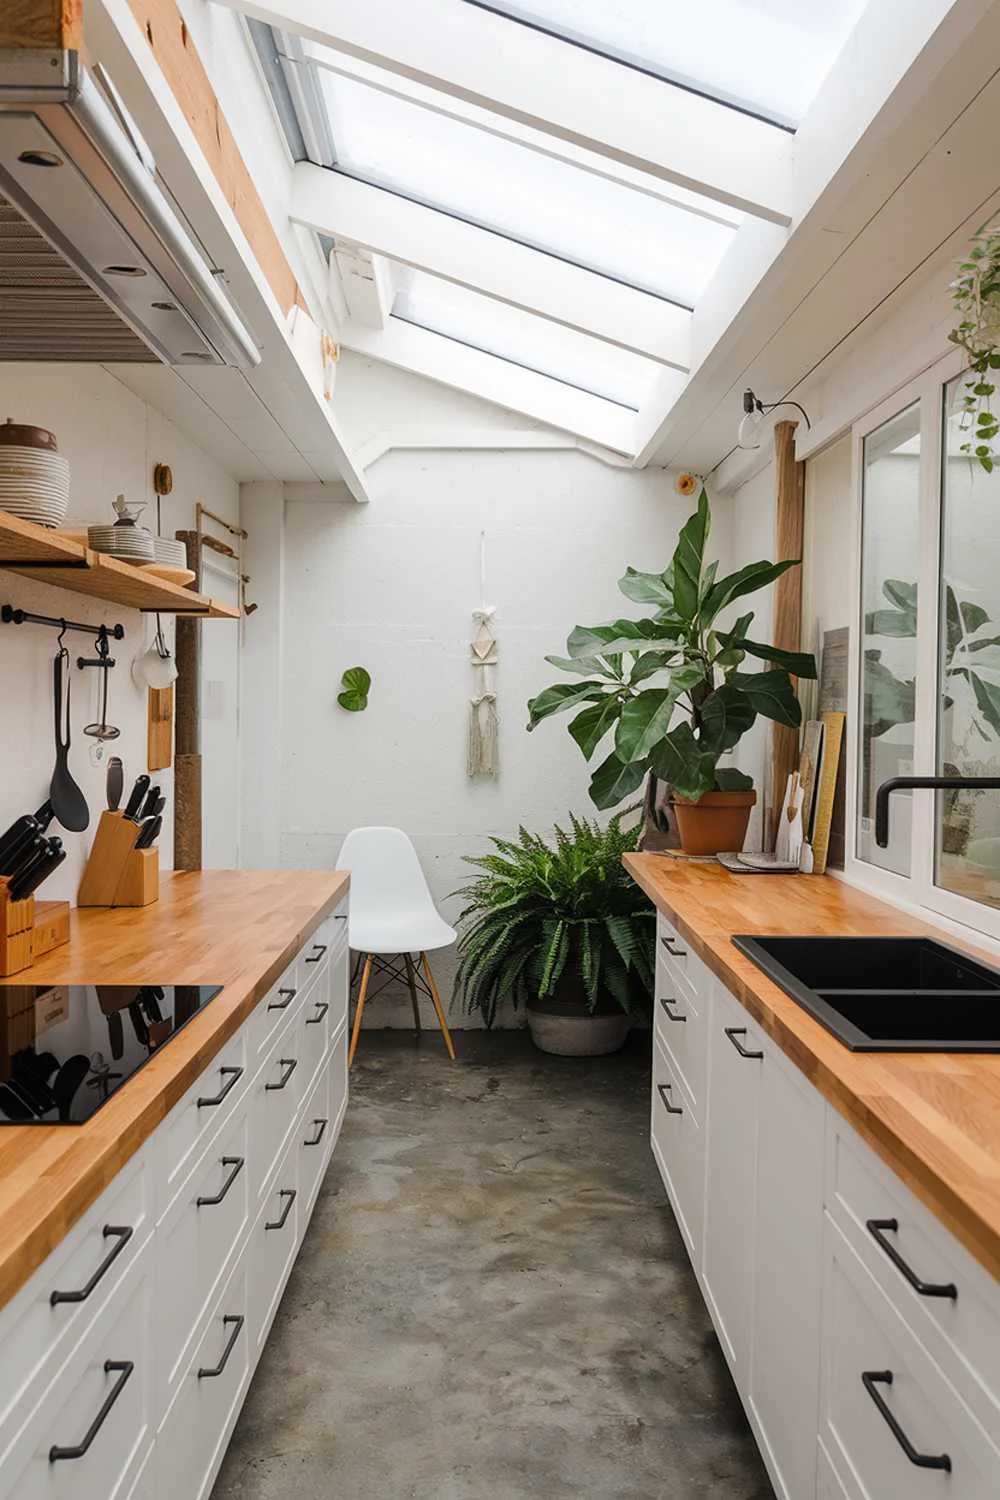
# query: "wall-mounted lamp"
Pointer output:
{"type": "Point", "coordinates": [754, 412]}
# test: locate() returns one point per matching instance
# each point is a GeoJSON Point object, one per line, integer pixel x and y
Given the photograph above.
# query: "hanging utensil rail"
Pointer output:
{"type": "Point", "coordinates": [11, 616]}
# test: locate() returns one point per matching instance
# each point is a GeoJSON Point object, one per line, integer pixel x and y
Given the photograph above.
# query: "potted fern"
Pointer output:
{"type": "Point", "coordinates": [675, 692]}
{"type": "Point", "coordinates": [558, 926]}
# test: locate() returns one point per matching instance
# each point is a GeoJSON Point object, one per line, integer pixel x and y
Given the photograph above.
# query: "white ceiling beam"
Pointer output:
{"type": "Point", "coordinates": [517, 275]}
{"type": "Point", "coordinates": [496, 380]}
{"type": "Point", "coordinates": [539, 81]}
{"type": "Point", "coordinates": [365, 280]}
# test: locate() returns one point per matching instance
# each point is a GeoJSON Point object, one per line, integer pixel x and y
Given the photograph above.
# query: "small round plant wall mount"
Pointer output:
{"type": "Point", "coordinates": [975, 295]}
{"type": "Point", "coordinates": [356, 683]}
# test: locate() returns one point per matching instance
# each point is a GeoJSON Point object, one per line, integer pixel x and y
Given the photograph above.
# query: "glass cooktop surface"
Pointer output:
{"type": "Point", "coordinates": [66, 1048]}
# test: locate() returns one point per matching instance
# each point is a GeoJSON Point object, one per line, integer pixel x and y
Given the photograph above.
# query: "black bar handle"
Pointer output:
{"type": "Point", "coordinates": [287, 997]}
{"type": "Point", "coordinates": [665, 1003]}
{"type": "Point", "coordinates": [289, 1195]}
{"type": "Point", "coordinates": [289, 1064]}
{"type": "Point", "coordinates": [123, 1368]}
{"type": "Point", "coordinates": [871, 1379]}
{"type": "Point", "coordinates": [734, 1033]}
{"type": "Point", "coordinates": [322, 1006]}
{"type": "Point", "coordinates": [110, 1231]}
{"type": "Point", "coordinates": [663, 1089]}
{"type": "Point", "coordinates": [317, 953]}
{"type": "Point", "coordinates": [340, 916]}
{"type": "Point", "coordinates": [236, 1163]}
{"type": "Point", "coordinates": [674, 952]}
{"type": "Point", "coordinates": [878, 1228]}
{"type": "Point", "coordinates": [229, 1321]}
{"type": "Point", "coordinates": [234, 1075]}
{"type": "Point", "coordinates": [320, 1133]}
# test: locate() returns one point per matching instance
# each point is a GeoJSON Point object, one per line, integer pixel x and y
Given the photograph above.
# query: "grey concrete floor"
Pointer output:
{"type": "Point", "coordinates": [493, 1301]}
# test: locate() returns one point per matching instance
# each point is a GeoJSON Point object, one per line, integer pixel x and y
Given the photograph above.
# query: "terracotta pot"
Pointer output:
{"type": "Point", "coordinates": [716, 823]}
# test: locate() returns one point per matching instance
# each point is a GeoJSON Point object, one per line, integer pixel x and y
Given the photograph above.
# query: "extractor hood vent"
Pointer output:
{"type": "Point", "coordinates": [95, 264]}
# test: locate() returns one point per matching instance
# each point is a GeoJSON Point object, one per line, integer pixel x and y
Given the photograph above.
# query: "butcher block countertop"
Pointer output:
{"type": "Point", "coordinates": [933, 1117]}
{"type": "Point", "coordinates": [238, 928]}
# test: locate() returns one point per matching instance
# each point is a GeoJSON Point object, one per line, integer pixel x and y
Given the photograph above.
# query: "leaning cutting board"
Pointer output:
{"type": "Point", "coordinates": [160, 728]}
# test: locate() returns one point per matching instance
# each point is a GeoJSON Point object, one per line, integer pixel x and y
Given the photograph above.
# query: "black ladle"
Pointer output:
{"type": "Point", "coordinates": [68, 802]}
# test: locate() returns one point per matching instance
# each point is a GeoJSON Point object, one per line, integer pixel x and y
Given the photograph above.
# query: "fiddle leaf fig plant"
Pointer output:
{"type": "Point", "coordinates": [677, 689]}
{"type": "Point", "coordinates": [975, 295]}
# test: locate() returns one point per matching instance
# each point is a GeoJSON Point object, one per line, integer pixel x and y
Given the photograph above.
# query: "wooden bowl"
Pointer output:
{"type": "Point", "coordinates": [22, 436]}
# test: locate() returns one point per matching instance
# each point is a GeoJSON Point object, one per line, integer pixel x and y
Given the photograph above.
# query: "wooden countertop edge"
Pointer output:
{"type": "Point", "coordinates": [103, 1145]}
{"type": "Point", "coordinates": [814, 1051]}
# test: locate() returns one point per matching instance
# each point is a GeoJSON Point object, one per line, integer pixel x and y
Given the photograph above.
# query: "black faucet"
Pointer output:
{"type": "Point", "coordinates": [937, 783]}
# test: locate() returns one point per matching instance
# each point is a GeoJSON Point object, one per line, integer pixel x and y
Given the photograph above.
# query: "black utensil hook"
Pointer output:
{"type": "Point", "coordinates": [102, 646]}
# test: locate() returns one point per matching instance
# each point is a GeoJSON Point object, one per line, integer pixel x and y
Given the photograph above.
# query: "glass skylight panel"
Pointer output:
{"type": "Point", "coordinates": [642, 240]}
{"type": "Point", "coordinates": [768, 56]}
{"type": "Point", "coordinates": [523, 338]}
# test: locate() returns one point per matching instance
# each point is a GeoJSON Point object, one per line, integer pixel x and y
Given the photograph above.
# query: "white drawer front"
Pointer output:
{"type": "Point", "coordinates": [314, 1136]}
{"type": "Point", "coordinates": [881, 1391]}
{"type": "Point", "coordinates": [828, 1482]}
{"type": "Point", "coordinates": [274, 1011]}
{"type": "Point", "coordinates": [274, 1100]}
{"type": "Point", "coordinates": [49, 1316]}
{"type": "Point", "coordinates": [204, 1109]}
{"type": "Point", "coordinates": [314, 1029]}
{"type": "Point", "coordinates": [962, 1332]}
{"type": "Point", "coordinates": [192, 1440]}
{"type": "Point", "coordinates": [679, 1149]}
{"type": "Point", "coordinates": [273, 1243]}
{"type": "Point", "coordinates": [100, 1403]}
{"type": "Point", "coordinates": [195, 1244]}
{"type": "Point", "coordinates": [680, 1025]}
{"type": "Point", "coordinates": [675, 953]}
{"type": "Point", "coordinates": [340, 986]}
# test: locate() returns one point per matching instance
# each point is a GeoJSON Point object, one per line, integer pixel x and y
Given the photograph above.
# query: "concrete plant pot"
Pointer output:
{"type": "Point", "coordinates": [566, 1027]}
{"type": "Point", "coordinates": [716, 824]}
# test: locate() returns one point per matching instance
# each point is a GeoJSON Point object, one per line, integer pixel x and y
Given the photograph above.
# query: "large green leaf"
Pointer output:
{"type": "Point", "coordinates": [987, 700]}
{"type": "Point", "coordinates": [688, 560]}
{"type": "Point", "coordinates": [771, 695]}
{"type": "Point", "coordinates": [612, 782]}
{"type": "Point", "coordinates": [560, 696]}
{"type": "Point", "coordinates": [888, 700]}
{"type": "Point", "coordinates": [680, 760]}
{"type": "Point", "coordinates": [725, 715]}
{"type": "Point", "coordinates": [620, 635]}
{"type": "Point", "coordinates": [648, 588]}
{"type": "Point", "coordinates": [756, 575]}
{"type": "Point", "coordinates": [730, 779]}
{"type": "Point", "coordinates": [647, 663]}
{"type": "Point", "coordinates": [902, 595]}
{"type": "Point", "coordinates": [592, 724]}
{"type": "Point", "coordinates": [891, 622]}
{"type": "Point", "coordinates": [798, 663]}
{"type": "Point", "coordinates": [581, 666]}
{"type": "Point", "coordinates": [973, 616]}
{"type": "Point", "coordinates": [646, 717]}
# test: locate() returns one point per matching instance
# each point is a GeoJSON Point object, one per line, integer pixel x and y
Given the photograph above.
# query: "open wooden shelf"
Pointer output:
{"type": "Point", "coordinates": [36, 552]}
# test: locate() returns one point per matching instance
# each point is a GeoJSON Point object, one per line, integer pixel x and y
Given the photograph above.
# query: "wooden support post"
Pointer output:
{"type": "Point", "coordinates": [42, 24]}
{"type": "Point", "coordinates": [187, 727]}
{"type": "Point", "coordinates": [786, 631]}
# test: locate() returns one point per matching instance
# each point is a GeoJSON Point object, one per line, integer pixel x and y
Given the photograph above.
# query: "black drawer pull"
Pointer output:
{"type": "Point", "coordinates": [234, 1075]}
{"type": "Point", "coordinates": [734, 1033]}
{"type": "Point", "coordinates": [665, 1003]}
{"type": "Point", "coordinates": [872, 1378]}
{"type": "Point", "coordinates": [236, 1162]}
{"type": "Point", "coordinates": [663, 1089]}
{"type": "Point", "coordinates": [109, 1231]}
{"type": "Point", "coordinates": [318, 950]}
{"type": "Point", "coordinates": [287, 997]}
{"type": "Point", "coordinates": [229, 1321]}
{"type": "Point", "coordinates": [340, 916]}
{"type": "Point", "coordinates": [322, 1006]}
{"type": "Point", "coordinates": [674, 952]}
{"type": "Point", "coordinates": [123, 1368]}
{"type": "Point", "coordinates": [320, 1133]}
{"type": "Point", "coordinates": [878, 1228]}
{"type": "Point", "coordinates": [289, 1196]}
{"type": "Point", "coordinates": [289, 1064]}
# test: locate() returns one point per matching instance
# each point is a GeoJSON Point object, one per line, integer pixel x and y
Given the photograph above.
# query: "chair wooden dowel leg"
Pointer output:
{"type": "Point", "coordinates": [438, 1007]}
{"type": "Point", "coordinates": [412, 982]}
{"type": "Point", "coordinates": [359, 1012]}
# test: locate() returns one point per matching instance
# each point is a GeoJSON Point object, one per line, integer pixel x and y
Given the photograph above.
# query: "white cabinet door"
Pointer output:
{"type": "Point", "coordinates": [678, 1146]}
{"type": "Point", "coordinates": [735, 1063]}
{"type": "Point", "coordinates": [788, 1278]}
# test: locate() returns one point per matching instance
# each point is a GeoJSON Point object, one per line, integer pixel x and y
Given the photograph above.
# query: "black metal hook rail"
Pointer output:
{"type": "Point", "coordinates": [11, 616]}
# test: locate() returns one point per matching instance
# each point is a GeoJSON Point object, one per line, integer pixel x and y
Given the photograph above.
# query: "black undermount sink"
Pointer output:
{"type": "Point", "coordinates": [886, 994]}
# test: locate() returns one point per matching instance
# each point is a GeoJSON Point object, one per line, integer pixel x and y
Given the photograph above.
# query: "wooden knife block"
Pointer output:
{"type": "Point", "coordinates": [28, 929]}
{"type": "Point", "coordinates": [117, 873]}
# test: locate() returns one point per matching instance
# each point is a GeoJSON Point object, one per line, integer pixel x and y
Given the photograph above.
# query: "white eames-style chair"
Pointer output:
{"type": "Point", "coordinates": [392, 917]}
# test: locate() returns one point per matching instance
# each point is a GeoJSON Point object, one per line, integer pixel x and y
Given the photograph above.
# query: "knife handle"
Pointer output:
{"type": "Point", "coordinates": [136, 797]}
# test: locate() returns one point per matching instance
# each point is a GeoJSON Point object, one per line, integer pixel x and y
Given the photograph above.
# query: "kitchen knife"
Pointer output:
{"type": "Point", "coordinates": [136, 797]}
{"type": "Point", "coordinates": [158, 806]}
{"type": "Point", "coordinates": [25, 859]}
{"type": "Point", "coordinates": [149, 833]}
{"type": "Point", "coordinates": [115, 783]}
{"type": "Point", "coordinates": [148, 806]}
{"type": "Point", "coordinates": [28, 883]}
{"type": "Point", "coordinates": [14, 840]}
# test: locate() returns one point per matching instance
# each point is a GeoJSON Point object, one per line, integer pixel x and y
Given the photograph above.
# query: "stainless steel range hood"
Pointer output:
{"type": "Point", "coordinates": [95, 263]}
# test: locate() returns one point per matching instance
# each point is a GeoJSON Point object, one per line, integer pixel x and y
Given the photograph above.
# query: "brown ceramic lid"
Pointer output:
{"type": "Point", "coordinates": [16, 433]}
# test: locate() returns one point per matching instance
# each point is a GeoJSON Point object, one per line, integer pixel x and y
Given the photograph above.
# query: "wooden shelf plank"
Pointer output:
{"type": "Point", "coordinates": [47, 557]}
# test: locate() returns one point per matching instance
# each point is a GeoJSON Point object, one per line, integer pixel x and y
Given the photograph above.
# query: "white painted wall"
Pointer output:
{"type": "Point", "coordinates": [112, 440]}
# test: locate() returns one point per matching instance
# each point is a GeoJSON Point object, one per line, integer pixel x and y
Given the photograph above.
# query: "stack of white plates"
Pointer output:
{"type": "Point", "coordinates": [170, 552]}
{"type": "Point", "coordinates": [34, 484]}
{"type": "Point", "coordinates": [129, 543]}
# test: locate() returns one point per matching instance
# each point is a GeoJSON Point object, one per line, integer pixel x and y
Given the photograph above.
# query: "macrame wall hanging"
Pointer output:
{"type": "Point", "coordinates": [484, 724]}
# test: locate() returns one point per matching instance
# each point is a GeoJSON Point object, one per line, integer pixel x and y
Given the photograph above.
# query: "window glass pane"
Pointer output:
{"type": "Point", "coordinates": [890, 515]}
{"type": "Point", "coordinates": [768, 55]}
{"type": "Point", "coordinates": [638, 238]}
{"type": "Point", "coordinates": [968, 824]}
{"type": "Point", "coordinates": [523, 338]}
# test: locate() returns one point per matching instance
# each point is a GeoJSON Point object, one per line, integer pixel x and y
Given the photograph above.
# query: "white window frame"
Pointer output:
{"type": "Point", "coordinates": [917, 890]}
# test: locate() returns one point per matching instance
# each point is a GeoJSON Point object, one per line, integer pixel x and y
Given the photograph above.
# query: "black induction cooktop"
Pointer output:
{"type": "Point", "coordinates": [66, 1048]}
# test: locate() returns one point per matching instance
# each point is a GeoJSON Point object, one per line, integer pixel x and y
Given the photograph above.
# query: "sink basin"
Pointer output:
{"type": "Point", "coordinates": [886, 994]}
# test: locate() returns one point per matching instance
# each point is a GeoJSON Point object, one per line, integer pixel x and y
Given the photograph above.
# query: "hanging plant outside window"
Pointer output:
{"type": "Point", "coordinates": [975, 296]}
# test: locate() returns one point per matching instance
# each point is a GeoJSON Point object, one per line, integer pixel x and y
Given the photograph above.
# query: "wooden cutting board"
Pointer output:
{"type": "Point", "coordinates": [160, 728]}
